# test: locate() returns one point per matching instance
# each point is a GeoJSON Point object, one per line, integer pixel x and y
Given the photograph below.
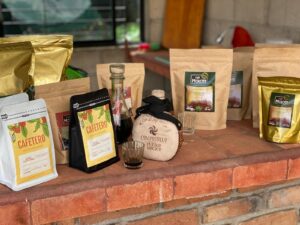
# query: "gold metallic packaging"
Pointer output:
{"type": "Point", "coordinates": [279, 109]}
{"type": "Point", "coordinates": [16, 67]}
{"type": "Point", "coordinates": [52, 55]}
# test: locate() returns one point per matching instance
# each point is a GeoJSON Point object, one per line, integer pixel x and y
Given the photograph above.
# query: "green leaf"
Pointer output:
{"type": "Point", "coordinates": [107, 116]}
{"type": "Point", "coordinates": [90, 118]}
{"type": "Point", "coordinates": [33, 121]}
{"type": "Point", "coordinates": [37, 126]}
{"type": "Point", "coordinates": [10, 127]}
{"type": "Point", "coordinates": [101, 113]}
{"type": "Point", "coordinates": [24, 131]}
{"type": "Point", "coordinates": [98, 108]}
{"type": "Point", "coordinates": [45, 129]}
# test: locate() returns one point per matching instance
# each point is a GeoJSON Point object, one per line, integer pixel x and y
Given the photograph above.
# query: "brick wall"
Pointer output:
{"type": "Point", "coordinates": [269, 205]}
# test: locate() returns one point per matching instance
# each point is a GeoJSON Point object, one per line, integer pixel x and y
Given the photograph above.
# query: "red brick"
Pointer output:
{"type": "Point", "coordinates": [187, 201]}
{"type": "Point", "coordinates": [227, 210]}
{"type": "Point", "coordinates": [64, 207]}
{"type": "Point", "coordinates": [294, 168]}
{"type": "Point", "coordinates": [277, 218]}
{"type": "Point", "coordinates": [285, 197]}
{"type": "Point", "coordinates": [139, 194]}
{"type": "Point", "coordinates": [177, 218]}
{"type": "Point", "coordinates": [259, 174]}
{"type": "Point", "coordinates": [15, 214]}
{"type": "Point", "coordinates": [100, 217]}
{"type": "Point", "coordinates": [66, 222]}
{"type": "Point", "coordinates": [202, 184]}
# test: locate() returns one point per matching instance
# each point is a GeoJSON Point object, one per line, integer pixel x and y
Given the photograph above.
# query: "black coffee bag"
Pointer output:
{"type": "Point", "coordinates": [92, 135]}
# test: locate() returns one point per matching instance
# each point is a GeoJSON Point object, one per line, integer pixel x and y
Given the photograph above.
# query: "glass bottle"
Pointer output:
{"type": "Point", "coordinates": [122, 115]}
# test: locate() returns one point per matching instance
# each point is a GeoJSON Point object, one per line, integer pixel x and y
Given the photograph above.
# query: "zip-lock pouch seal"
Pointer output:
{"type": "Point", "coordinates": [26, 145]}
{"type": "Point", "coordinates": [92, 135]}
{"type": "Point", "coordinates": [279, 109]}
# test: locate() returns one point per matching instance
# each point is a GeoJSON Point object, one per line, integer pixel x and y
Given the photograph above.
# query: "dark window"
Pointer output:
{"type": "Point", "coordinates": [90, 21]}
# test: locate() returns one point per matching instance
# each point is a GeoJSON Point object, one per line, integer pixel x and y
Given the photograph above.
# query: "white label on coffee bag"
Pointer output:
{"type": "Point", "coordinates": [98, 134]}
{"type": "Point", "coordinates": [100, 146]}
{"type": "Point", "coordinates": [34, 162]}
{"type": "Point", "coordinates": [32, 149]}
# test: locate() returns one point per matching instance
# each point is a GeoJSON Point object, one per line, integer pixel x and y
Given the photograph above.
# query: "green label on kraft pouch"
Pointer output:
{"type": "Point", "coordinates": [200, 91]}
{"type": "Point", "coordinates": [236, 90]}
{"type": "Point", "coordinates": [281, 110]}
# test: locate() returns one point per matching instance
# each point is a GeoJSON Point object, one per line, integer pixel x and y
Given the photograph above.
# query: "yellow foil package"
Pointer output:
{"type": "Point", "coordinates": [16, 67]}
{"type": "Point", "coordinates": [279, 109]}
{"type": "Point", "coordinates": [52, 55]}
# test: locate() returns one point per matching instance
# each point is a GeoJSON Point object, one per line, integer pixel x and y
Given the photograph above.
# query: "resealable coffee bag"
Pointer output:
{"type": "Point", "coordinates": [133, 83]}
{"type": "Point", "coordinates": [279, 109]}
{"type": "Point", "coordinates": [26, 145]}
{"type": "Point", "coordinates": [92, 135]}
{"type": "Point", "coordinates": [52, 55]}
{"type": "Point", "coordinates": [272, 62]}
{"type": "Point", "coordinates": [239, 105]}
{"type": "Point", "coordinates": [16, 67]}
{"type": "Point", "coordinates": [200, 80]}
{"type": "Point", "coordinates": [57, 97]}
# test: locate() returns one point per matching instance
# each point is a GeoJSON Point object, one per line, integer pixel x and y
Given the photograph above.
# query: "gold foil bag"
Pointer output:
{"type": "Point", "coordinates": [273, 61]}
{"type": "Point", "coordinates": [16, 67]}
{"type": "Point", "coordinates": [52, 55]}
{"type": "Point", "coordinates": [279, 109]}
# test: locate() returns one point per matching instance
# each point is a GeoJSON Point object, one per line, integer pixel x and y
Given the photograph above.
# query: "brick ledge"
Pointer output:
{"type": "Point", "coordinates": [210, 170]}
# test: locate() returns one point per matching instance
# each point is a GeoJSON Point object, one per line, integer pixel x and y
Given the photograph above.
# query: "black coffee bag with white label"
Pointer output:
{"type": "Point", "coordinates": [91, 133]}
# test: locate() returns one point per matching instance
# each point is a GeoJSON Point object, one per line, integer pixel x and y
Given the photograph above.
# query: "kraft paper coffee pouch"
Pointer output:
{"type": "Point", "coordinates": [92, 135]}
{"type": "Point", "coordinates": [57, 97]}
{"type": "Point", "coordinates": [272, 62]}
{"type": "Point", "coordinates": [16, 67]}
{"type": "Point", "coordinates": [239, 105]}
{"type": "Point", "coordinates": [26, 145]}
{"type": "Point", "coordinates": [133, 83]}
{"type": "Point", "coordinates": [200, 80]}
{"type": "Point", "coordinates": [279, 109]}
{"type": "Point", "coordinates": [52, 55]}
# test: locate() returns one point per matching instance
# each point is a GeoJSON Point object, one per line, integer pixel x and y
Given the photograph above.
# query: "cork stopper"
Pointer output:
{"type": "Point", "coordinates": [158, 93]}
{"type": "Point", "coordinates": [117, 70]}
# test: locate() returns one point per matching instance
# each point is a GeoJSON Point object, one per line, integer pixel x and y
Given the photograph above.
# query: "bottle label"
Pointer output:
{"type": "Point", "coordinates": [127, 97]}
{"type": "Point", "coordinates": [97, 134]}
{"type": "Point", "coordinates": [199, 91]}
{"type": "Point", "coordinates": [117, 107]}
{"type": "Point", "coordinates": [32, 149]}
{"type": "Point", "coordinates": [116, 110]}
